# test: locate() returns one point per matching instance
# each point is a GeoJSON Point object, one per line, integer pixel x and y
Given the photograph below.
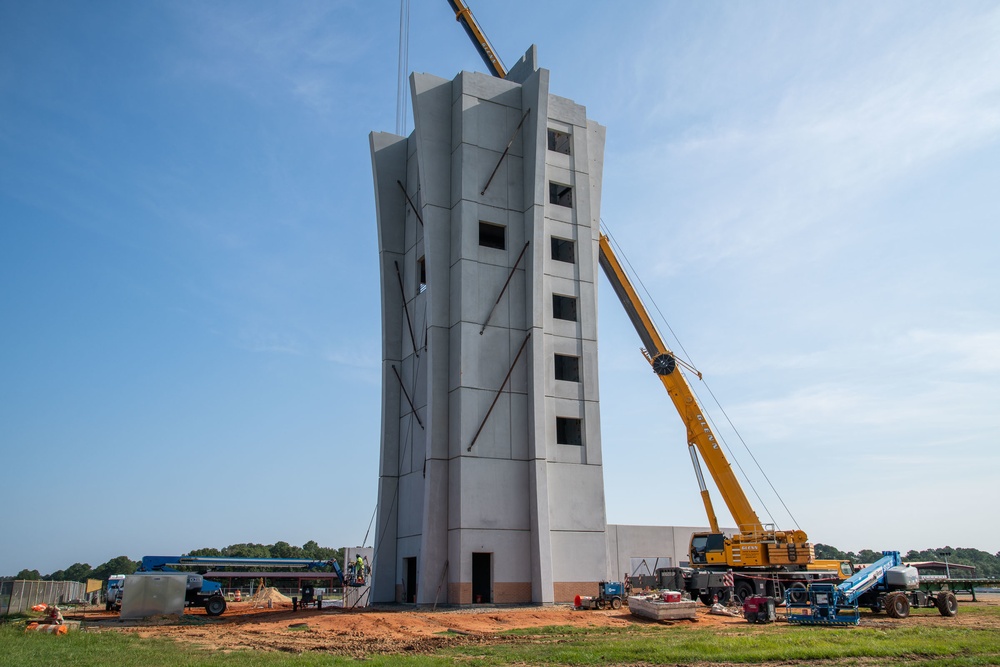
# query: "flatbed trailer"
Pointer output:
{"type": "Point", "coordinates": [959, 585]}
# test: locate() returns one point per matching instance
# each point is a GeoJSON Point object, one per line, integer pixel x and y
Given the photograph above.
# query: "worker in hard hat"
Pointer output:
{"type": "Point", "coordinates": [359, 570]}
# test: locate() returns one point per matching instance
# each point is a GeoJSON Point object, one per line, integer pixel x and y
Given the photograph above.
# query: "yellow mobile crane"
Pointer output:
{"type": "Point", "coordinates": [756, 544]}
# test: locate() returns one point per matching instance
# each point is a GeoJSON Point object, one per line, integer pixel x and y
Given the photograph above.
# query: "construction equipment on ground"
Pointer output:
{"type": "Point", "coordinates": [609, 594]}
{"type": "Point", "coordinates": [760, 609]}
{"type": "Point", "coordinates": [113, 592]}
{"type": "Point", "coordinates": [886, 584]}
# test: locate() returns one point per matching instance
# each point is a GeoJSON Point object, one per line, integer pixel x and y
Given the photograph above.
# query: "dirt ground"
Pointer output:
{"type": "Point", "coordinates": [398, 629]}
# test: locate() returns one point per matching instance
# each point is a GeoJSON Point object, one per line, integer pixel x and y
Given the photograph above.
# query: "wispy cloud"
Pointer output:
{"type": "Point", "coordinates": [956, 352]}
{"type": "Point", "coordinates": [777, 163]}
{"type": "Point", "coordinates": [365, 357]}
{"type": "Point", "coordinates": [301, 52]}
{"type": "Point", "coordinates": [269, 342]}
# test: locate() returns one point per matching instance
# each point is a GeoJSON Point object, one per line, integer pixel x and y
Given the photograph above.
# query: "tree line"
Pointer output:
{"type": "Point", "coordinates": [124, 565]}
{"type": "Point", "coordinates": [987, 565]}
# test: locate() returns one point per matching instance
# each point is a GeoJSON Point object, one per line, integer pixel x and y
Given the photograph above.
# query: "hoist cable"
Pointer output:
{"type": "Point", "coordinates": [711, 393]}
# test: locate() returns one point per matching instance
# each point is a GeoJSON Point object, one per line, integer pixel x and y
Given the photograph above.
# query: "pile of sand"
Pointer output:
{"type": "Point", "coordinates": [269, 595]}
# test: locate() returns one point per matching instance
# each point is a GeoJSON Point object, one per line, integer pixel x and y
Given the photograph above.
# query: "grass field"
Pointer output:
{"type": "Point", "coordinates": [973, 643]}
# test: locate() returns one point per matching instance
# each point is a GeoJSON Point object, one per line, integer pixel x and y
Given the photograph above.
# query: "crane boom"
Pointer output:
{"type": "Point", "coordinates": [756, 544]}
{"type": "Point", "coordinates": [699, 432]}
{"type": "Point", "coordinates": [464, 16]}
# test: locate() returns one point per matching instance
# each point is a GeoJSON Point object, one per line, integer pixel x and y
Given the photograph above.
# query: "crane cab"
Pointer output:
{"type": "Point", "coordinates": [707, 549]}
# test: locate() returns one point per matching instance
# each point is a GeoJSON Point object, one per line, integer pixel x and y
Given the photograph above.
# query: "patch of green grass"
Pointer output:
{"type": "Point", "coordinates": [100, 649]}
{"type": "Point", "coordinates": [745, 644]}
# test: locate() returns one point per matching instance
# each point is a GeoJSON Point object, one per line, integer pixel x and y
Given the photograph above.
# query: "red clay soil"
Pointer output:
{"type": "Point", "coordinates": [393, 629]}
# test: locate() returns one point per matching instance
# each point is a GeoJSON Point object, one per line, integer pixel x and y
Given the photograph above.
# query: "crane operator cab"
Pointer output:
{"type": "Point", "coordinates": [707, 549]}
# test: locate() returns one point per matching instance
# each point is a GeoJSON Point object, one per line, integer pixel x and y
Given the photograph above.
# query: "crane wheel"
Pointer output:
{"type": "Point", "coordinates": [947, 603]}
{"type": "Point", "coordinates": [616, 603]}
{"type": "Point", "coordinates": [797, 592]}
{"type": "Point", "coordinates": [742, 591]}
{"type": "Point", "coordinates": [706, 599]}
{"type": "Point", "coordinates": [897, 605]}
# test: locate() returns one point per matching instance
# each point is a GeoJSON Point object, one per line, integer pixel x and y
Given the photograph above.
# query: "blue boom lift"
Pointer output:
{"type": "Point", "coordinates": [885, 584]}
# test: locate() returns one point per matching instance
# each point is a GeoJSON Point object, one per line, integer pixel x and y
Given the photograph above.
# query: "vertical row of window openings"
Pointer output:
{"type": "Point", "coordinates": [569, 430]}
{"type": "Point", "coordinates": [559, 193]}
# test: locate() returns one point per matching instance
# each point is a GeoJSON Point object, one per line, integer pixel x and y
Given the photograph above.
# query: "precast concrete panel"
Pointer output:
{"type": "Point", "coordinates": [490, 88]}
{"type": "Point", "coordinates": [494, 494]}
{"type": "Point", "coordinates": [567, 111]}
{"type": "Point", "coordinates": [411, 504]}
{"type": "Point", "coordinates": [484, 359]}
{"type": "Point", "coordinates": [486, 431]}
{"type": "Point", "coordinates": [576, 498]}
{"type": "Point", "coordinates": [575, 558]}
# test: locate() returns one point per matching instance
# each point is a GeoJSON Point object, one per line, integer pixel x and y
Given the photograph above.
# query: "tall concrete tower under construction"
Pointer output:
{"type": "Point", "coordinates": [490, 484]}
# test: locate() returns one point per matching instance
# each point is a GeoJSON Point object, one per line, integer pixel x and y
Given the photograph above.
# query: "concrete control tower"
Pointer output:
{"type": "Point", "coordinates": [491, 487]}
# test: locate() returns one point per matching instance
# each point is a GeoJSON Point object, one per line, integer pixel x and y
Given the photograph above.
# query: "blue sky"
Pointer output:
{"type": "Point", "coordinates": [190, 346]}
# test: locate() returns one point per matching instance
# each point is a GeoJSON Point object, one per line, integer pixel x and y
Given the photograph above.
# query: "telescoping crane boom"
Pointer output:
{"type": "Point", "coordinates": [464, 16]}
{"type": "Point", "coordinates": [756, 544]}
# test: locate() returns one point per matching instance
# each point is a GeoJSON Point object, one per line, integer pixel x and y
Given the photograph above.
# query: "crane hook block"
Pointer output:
{"type": "Point", "coordinates": [664, 364]}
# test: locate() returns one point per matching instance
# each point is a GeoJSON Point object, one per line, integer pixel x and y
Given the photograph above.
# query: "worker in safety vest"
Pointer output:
{"type": "Point", "coordinates": [359, 569]}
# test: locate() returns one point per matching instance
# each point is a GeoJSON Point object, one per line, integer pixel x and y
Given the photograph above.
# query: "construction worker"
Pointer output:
{"type": "Point", "coordinates": [54, 616]}
{"type": "Point", "coordinates": [359, 569]}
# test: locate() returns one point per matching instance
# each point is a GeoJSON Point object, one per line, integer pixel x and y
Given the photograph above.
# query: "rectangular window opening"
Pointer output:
{"type": "Point", "coordinates": [569, 431]}
{"type": "Point", "coordinates": [564, 307]}
{"type": "Point", "coordinates": [422, 275]}
{"type": "Point", "coordinates": [567, 368]}
{"type": "Point", "coordinates": [559, 142]}
{"type": "Point", "coordinates": [563, 250]}
{"type": "Point", "coordinates": [560, 194]}
{"type": "Point", "coordinates": [492, 236]}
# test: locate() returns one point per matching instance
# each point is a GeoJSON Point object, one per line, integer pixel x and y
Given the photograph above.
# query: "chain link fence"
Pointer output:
{"type": "Point", "coordinates": [19, 596]}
